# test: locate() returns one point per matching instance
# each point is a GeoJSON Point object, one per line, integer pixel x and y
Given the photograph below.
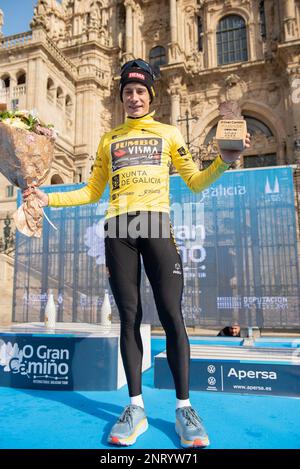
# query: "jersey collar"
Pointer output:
{"type": "Point", "coordinates": [140, 122]}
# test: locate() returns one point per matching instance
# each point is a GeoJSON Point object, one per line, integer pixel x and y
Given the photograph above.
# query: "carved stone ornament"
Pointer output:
{"type": "Point", "coordinates": [232, 80]}
{"type": "Point", "coordinates": [235, 87]}
{"type": "Point", "coordinates": [230, 110]}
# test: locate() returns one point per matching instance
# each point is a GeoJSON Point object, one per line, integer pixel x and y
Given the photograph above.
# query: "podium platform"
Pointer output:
{"type": "Point", "coordinates": [74, 356]}
{"type": "Point", "coordinates": [270, 368]}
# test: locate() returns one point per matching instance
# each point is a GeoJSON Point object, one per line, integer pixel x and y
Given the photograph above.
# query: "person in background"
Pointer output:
{"type": "Point", "coordinates": [234, 330]}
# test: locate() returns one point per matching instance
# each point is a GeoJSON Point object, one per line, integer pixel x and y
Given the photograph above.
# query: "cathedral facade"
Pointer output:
{"type": "Point", "coordinates": [203, 51]}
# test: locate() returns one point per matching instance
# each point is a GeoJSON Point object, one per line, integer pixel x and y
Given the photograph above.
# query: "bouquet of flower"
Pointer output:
{"type": "Point", "coordinates": [26, 153]}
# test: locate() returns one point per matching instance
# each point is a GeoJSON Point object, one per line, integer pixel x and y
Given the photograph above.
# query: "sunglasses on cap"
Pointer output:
{"type": "Point", "coordinates": [139, 63]}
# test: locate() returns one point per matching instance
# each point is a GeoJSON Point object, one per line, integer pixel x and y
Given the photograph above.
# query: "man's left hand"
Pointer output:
{"type": "Point", "coordinates": [229, 156]}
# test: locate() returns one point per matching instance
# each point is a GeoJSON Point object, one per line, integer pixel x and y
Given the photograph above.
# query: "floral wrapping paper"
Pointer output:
{"type": "Point", "coordinates": [26, 157]}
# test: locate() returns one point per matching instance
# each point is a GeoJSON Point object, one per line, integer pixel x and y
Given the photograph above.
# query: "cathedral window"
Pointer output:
{"type": "Point", "coordinates": [5, 81]}
{"type": "Point", "coordinates": [200, 33]}
{"type": "Point", "coordinates": [69, 104]}
{"type": "Point", "coordinates": [157, 57]}
{"type": "Point", "coordinates": [50, 89]}
{"type": "Point", "coordinates": [262, 19]}
{"type": "Point", "coordinates": [21, 78]}
{"type": "Point", "coordinates": [79, 174]}
{"type": "Point", "coordinates": [231, 40]}
{"type": "Point", "coordinates": [56, 179]}
{"type": "Point", "coordinates": [10, 191]}
{"type": "Point", "coordinates": [59, 97]}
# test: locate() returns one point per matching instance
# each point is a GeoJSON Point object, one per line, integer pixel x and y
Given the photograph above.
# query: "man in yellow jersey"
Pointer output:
{"type": "Point", "coordinates": [134, 159]}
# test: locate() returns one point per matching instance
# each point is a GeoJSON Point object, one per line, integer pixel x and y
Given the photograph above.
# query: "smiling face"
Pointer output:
{"type": "Point", "coordinates": [136, 99]}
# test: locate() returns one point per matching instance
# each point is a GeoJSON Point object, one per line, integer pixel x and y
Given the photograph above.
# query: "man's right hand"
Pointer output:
{"type": "Point", "coordinates": [40, 195]}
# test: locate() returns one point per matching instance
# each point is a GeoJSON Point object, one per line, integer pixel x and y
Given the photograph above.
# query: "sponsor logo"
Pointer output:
{"type": "Point", "coordinates": [39, 363]}
{"type": "Point", "coordinates": [211, 381]}
{"type": "Point", "coordinates": [137, 142]}
{"type": "Point", "coordinates": [116, 182]}
{"type": "Point", "coordinates": [274, 189]}
{"type": "Point", "coordinates": [182, 151]}
{"type": "Point", "coordinates": [242, 374]}
{"type": "Point", "coordinates": [136, 75]}
{"type": "Point", "coordinates": [136, 152]}
{"type": "Point", "coordinates": [222, 191]}
{"type": "Point", "coordinates": [137, 177]}
{"type": "Point", "coordinates": [119, 153]}
{"type": "Point", "coordinates": [177, 269]}
{"type": "Point", "coordinates": [150, 191]}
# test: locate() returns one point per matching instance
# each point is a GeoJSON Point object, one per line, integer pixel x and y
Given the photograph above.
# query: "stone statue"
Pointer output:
{"type": "Point", "coordinates": [94, 16]}
{"type": "Point", "coordinates": [230, 110]}
{"type": "Point", "coordinates": [41, 8]}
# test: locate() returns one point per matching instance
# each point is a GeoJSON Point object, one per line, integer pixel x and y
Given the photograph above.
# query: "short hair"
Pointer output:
{"type": "Point", "coordinates": [234, 324]}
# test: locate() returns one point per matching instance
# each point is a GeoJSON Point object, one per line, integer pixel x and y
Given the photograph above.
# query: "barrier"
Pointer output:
{"type": "Point", "coordinates": [260, 369]}
{"type": "Point", "coordinates": [73, 357]}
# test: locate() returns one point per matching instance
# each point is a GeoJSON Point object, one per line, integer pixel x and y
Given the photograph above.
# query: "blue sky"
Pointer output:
{"type": "Point", "coordinates": [17, 15]}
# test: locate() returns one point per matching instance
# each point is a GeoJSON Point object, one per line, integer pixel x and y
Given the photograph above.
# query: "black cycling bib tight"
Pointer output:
{"type": "Point", "coordinates": [163, 267]}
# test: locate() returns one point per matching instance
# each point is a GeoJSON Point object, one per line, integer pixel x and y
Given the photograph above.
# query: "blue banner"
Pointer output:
{"type": "Point", "coordinates": [234, 377]}
{"type": "Point", "coordinates": [58, 362]}
{"type": "Point", "coordinates": [238, 242]}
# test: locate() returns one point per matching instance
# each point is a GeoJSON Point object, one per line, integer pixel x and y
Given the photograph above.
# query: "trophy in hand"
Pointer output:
{"type": "Point", "coordinates": [232, 128]}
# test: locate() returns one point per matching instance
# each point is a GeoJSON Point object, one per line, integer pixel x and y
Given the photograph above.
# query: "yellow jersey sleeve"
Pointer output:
{"type": "Point", "coordinates": [94, 188]}
{"type": "Point", "coordinates": [197, 180]}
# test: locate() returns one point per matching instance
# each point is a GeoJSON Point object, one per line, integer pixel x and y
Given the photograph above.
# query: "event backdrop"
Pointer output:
{"type": "Point", "coordinates": [238, 241]}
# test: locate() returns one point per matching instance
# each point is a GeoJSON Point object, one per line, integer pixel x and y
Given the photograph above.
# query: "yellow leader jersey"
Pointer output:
{"type": "Point", "coordinates": [134, 158]}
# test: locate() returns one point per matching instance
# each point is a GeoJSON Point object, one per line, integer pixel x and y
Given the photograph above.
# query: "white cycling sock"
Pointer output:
{"type": "Point", "coordinates": [137, 400]}
{"type": "Point", "coordinates": [182, 403]}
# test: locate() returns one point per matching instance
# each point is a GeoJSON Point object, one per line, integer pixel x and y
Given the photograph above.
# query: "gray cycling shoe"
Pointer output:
{"type": "Point", "coordinates": [190, 428]}
{"type": "Point", "coordinates": [129, 426]}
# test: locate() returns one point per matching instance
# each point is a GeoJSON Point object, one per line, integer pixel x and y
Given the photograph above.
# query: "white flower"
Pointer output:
{"type": "Point", "coordinates": [34, 113]}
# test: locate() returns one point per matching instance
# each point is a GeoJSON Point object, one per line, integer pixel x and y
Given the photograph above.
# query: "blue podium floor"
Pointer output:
{"type": "Point", "coordinates": [82, 420]}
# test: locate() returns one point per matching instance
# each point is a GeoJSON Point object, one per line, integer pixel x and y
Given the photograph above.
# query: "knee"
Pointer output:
{"type": "Point", "coordinates": [174, 327]}
{"type": "Point", "coordinates": [130, 323]}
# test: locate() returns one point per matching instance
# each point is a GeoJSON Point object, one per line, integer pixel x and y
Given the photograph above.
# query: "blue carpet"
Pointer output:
{"type": "Point", "coordinates": [49, 419]}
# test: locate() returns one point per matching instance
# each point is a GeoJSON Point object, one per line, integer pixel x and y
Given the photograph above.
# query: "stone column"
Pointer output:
{"type": "Point", "coordinates": [293, 111]}
{"type": "Point", "coordinates": [174, 51]}
{"type": "Point", "coordinates": [173, 20]}
{"type": "Point", "coordinates": [289, 19]}
{"type": "Point", "coordinates": [88, 103]}
{"type": "Point", "coordinates": [289, 8]}
{"type": "Point", "coordinates": [211, 56]}
{"type": "Point", "coordinates": [251, 42]}
{"type": "Point", "coordinates": [31, 85]}
{"type": "Point", "coordinates": [174, 92]}
{"type": "Point", "coordinates": [12, 86]}
{"type": "Point", "coordinates": [129, 27]}
{"type": "Point", "coordinates": [40, 84]}
{"type": "Point", "coordinates": [175, 106]}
